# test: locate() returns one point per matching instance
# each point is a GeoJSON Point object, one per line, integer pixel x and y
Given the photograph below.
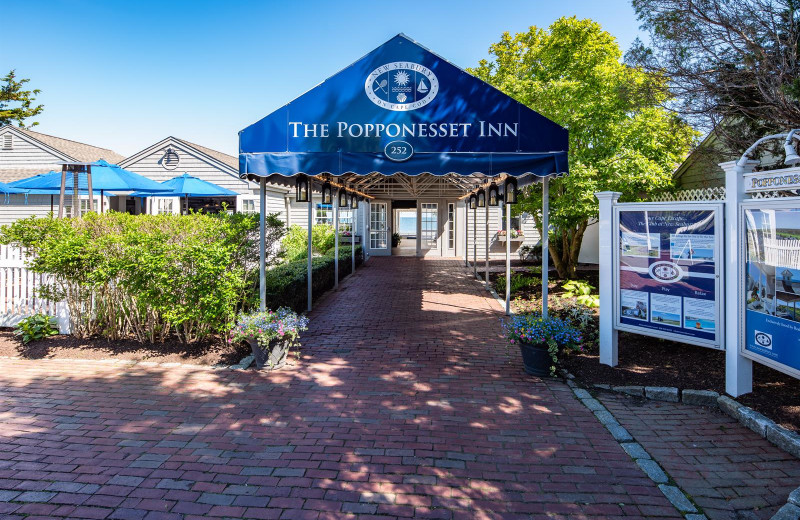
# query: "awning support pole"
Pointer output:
{"type": "Point", "coordinates": [353, 213]}
{"type": "Point", "coordinates": [310, 226]}
{"type": "Point", "coordinates": [335, 204]}
{"type": "Point", "coordinates": [89, 185]}
{"type": "Point", "coordinates": [475, 242]}
{"type": "Point", "coordinates": [63, 189]}
{"type": "Point", "coordinates": [486, 237]}
{"type": "Point", "coordinates": [466, 234]}
{"type": "Point", "coordinates": [545, 241]}
{"type": "Point", "coordinates": [507, 208]}
{"type": "Point", "coordinates": [262, 246]}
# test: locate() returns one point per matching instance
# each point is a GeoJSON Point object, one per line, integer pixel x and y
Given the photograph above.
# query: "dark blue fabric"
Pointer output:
{"type": "Point", "coordinates": [468, 126]}
{"type": "Point", "coordinates": [288, 164]}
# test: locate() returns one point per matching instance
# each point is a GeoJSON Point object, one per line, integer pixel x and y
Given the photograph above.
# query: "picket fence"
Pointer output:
{"type": "Point", "coordinates": [18, 291]}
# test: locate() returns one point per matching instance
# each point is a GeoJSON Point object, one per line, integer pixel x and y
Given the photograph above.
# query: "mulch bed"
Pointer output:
{"type": "Point", "coordinates": [648, 361]}
{"type": "Point", "coordinates": [211, 352]}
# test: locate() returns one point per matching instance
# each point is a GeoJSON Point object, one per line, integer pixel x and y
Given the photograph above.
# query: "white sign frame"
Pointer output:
{"type": "Point", "coordinates": [778, 203]}
{"type": "Point", "coordinates": [718, 210]}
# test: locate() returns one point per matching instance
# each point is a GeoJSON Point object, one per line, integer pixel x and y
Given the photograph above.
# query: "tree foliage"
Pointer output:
{"type": "Point", "coordinates": [16, 104]}
{"type": "Point", "coordinates": [734, 61]}
{"type": "Point", "coordinates": [619, 137]}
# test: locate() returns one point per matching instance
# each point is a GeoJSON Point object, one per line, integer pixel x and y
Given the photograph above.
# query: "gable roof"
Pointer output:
{"type": "Point", "coordinates": [72, 149]}
{"type": "Point", "coordinates": [225, 161]}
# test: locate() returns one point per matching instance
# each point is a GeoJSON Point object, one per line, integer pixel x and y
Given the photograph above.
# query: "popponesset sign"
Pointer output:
{"type": "Point", "coordinates": [788, 179]}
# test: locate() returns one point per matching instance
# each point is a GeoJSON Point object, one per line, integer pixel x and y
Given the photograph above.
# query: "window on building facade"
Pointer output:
{"type": "Point", "coordinates": [248, 206]}
{"type": "Point", "coordinates": [451, 226]}
{"type": "Point", "coordinates": [324, 214]}
{"type": "Point", "coordinates": [345, 220]}
{"type": "Point", "coordinates": [165, 206]}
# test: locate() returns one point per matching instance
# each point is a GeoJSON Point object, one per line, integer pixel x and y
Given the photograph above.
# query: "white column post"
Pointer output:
{"type": "Point", "coordinates": [608, 334]}
{"type": "Point", "coordinates": [486, 241]}
{"type": "Point", "coordinates": [262, 245]}
{"type": "Point", "coordinates": [738, 369]}
{"type": "Point", "coordinates": [419, 228]}
{"type": "Point", "coordinates": [335, 204]}
{"type": "Point", "coordinates": [507, 208]}
{"type": "Point", "coordinates": [475, 242]}
{"type": "Point", "coordinates": [466, 234]}
{"type": "Point", "coordinates": [353, 213]}
{"type": "Point", "coordinates": [310, 226]}
{"type": "Point", "coordinates": [545, 242]}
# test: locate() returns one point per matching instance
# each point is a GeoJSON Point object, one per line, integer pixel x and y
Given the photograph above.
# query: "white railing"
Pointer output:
{"type": "Point", "coordinates": [782, 252]}
{"type": "Point", "coordinates": [18, 291]}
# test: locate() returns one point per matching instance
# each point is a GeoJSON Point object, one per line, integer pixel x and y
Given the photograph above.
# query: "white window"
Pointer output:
{"type": "Point", "coordinates": [324, 214]}
{"type": "Point", "coordinates": [164, 207]}
{"type": "Point", "coordinates": [345, 220]}
{"type": "Point", "coordinates": [451, 226]}
{"type": "Point", "coordinates": [84, 205]}
{"type": "Point", "coordinates": [248, 206]}
{"type": "Point", "coordinates": [430, 223]}
{"type": "Point", "coordinates": [8, 142]}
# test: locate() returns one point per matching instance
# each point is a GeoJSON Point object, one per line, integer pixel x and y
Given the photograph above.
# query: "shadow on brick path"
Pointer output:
{"type": "Point", "coordinates": [406, 403]}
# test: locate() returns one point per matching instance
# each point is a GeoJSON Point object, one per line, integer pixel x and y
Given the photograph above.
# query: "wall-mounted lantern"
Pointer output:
{"type": "Point", "coordinates": [510, 194]}
{"type": "Point", "coordinates": [301, 187]}
{"type": "Point", "coordinates": [327, 193]}
{"type": "Point", "coordinates": [353, 201]}
{"type": "Point", "coordinates": [493, 195]}
{"type": "Point", "coordinates": [343, 203]}
{"type": "Point", "coordinates": [481, 198]}
{"type": "Point", "coordinates": [473, 201]}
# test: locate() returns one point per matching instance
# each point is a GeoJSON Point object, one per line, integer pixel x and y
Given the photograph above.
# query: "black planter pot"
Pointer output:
{"type": "Point", "coordinates": [536, 359]}
{"type": "Point", "coordinates": [273, 356]}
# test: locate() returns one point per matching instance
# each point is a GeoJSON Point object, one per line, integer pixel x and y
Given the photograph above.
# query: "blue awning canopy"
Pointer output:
{"type": "Point", "coordinates": [188, 186]}
{"type": "Point", "coordinates": [402, 109]}
{"type": "Point", "coordinates": [7, 189]}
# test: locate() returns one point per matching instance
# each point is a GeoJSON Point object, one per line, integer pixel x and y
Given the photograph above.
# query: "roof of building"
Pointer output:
{"type": "Point", "coordinates": [79, 151]}
{"type": "Point", "coordinates": [15, 174]}
{"type": "Point", "coordinates": [229, 160]}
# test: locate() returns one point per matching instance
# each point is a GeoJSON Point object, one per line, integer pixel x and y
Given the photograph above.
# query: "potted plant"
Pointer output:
{"type": "Point", "coordinates": [541, 340]}
{"type": "Point", "coordinates": [396, 238]}
{"type": "Point", "coordinates": [271, 335]}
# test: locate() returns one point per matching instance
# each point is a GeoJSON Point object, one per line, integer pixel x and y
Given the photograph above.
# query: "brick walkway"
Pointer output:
{"type": "Point", "coordinates": [406, 404]}
{"type": "Point", "coordinates": [731, 472]}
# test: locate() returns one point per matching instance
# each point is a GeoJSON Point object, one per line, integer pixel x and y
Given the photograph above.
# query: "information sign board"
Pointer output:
{"type": "Point", "coordinates": [770, 283]}
{"type": "Point", "coordinates": [668, 265]}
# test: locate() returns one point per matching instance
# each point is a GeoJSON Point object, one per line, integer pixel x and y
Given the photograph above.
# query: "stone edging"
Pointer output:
{"type": "Point", "coordinates": [676, 496]}
{"type": "Point", "coordinates": [784, 439]}
{"type": "Point", "coordinates": [241, 365]}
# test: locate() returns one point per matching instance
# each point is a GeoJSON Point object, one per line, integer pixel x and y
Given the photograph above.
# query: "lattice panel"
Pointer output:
{"type": "Point", "coordinates": [693, 195]}
{"type": "Point", "coordinates": [774, 194]}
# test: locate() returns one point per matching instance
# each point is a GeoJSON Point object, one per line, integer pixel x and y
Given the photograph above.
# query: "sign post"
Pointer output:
{"type": "Point", "coordinates": [608, 334]}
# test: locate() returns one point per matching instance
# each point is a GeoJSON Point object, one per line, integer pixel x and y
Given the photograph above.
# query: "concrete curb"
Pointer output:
{"type": "Point", "coordinates": [784, 439]}
{"type": "Point", "coordinates": [676, 496]}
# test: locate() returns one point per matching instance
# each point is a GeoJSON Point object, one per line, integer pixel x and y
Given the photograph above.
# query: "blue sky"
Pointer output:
{"type": "Point", "coordinates": [125, 74]}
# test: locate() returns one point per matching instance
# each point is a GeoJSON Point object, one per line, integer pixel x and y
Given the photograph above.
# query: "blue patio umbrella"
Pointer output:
{"type": "Point", "coordinates": [7, 190]}
{"type": "Point", "coordinates": [187, 187]}
{"type": "Point", "coordinates": [105, 177]}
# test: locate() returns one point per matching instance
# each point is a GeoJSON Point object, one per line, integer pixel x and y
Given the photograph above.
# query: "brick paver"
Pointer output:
{"type": "Point", "coordinates": [406, 403]}
{"type": "Point", "coordinates": [730, 471]}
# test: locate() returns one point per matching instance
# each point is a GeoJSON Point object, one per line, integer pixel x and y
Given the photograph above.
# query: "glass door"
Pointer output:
{"type": "Point", "coordinates": [378, 228]}
{"type": "Point", "coordinates": [430, 226]}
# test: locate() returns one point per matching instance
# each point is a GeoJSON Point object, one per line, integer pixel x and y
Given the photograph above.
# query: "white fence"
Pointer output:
{"type": "Point", "coordinates": [18, 295]}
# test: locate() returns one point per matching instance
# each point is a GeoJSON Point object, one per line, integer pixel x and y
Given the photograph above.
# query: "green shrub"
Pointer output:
{"type": "Point", "coordinates": [286, 284]}
{"type": "Point", "coordinates": [519, 281]}
{"type": "Point", "coordinates": [582, 292]}
{"type": "Point", "coordinates": [295, 243]}
{"type": "Point", "coordinates": [36, 327]}
{"type": "Point", "coordinates": [149, 276]}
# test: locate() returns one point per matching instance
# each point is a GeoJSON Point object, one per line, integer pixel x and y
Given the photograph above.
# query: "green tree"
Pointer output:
{"type": "Point", "coordinates": [619, 137]}
{"type": "Point", "coordinates": [16, 104]}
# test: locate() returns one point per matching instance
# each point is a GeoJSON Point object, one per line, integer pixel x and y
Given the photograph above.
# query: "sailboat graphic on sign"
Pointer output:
{"type": "Point", "coordinates": [422, 87]}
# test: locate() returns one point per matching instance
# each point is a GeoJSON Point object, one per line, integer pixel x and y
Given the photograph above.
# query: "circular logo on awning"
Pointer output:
{"type": "Point", "coordinates": [401, 86]}
{"type": "Point", "coordinates": [666, 272]}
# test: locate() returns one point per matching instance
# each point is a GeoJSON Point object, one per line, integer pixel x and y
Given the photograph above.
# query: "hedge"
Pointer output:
{"type": "Point", "coordinates": [287, 285]}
